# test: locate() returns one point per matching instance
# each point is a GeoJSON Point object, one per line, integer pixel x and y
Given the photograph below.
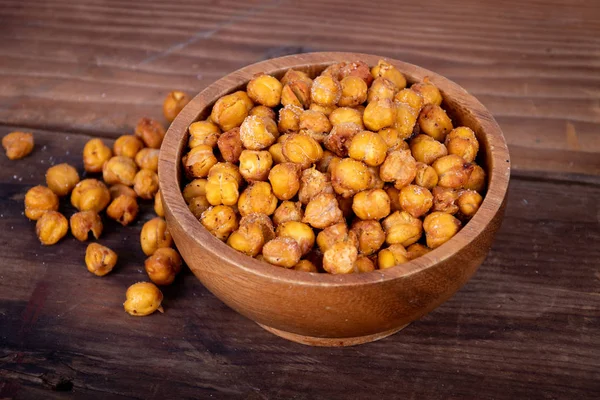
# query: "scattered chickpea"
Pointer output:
{"type": "Point", "coordinates": [145, 184]}
{"type": "Point", "coordinates": [174, 103]}
{"type": "Point", "coordinates": [314, 124]}
{"type": "Point", "coordinates": [428, 91]}
{"type": "Point", "coordinates": [289, 119]}
{"type": "Point", "coordinates": [368, 147]}
{"type": "Point", "coordinates": [434, 122]}
{"type": "Point", "coordinates": [336, 233]}
{"type": "Point", "coordinates": [123, 209]}
{"type": "Point", "coordinates": [370, 236]}
{"type": "Point", "coordinates": [163, 266]}
{"type": "Point", "coordinates": [84, 222]}
{"type": "Point", "coordinates": [379, 114]}
{"type": "Point", "coordinates": [462, 142]}
{"type": "Point", "coordinates": [302, 150]}
{"type": "Point", "coordinates": [411, 98]}
{"type": "Point", "coordinates": [198, 161]}
{"type": "Point", "coordinates": [426, 176]}
{"type": "Point", "coordinates": [300, 232]}
{"type": "Point", "coordinates": [381, 89]}
{"type": "Point", "coordinates": [155, 235]}
{"type": "Point", "coordinates": [99, 260]}
{"type": "Point", "coordinates": [198, 205]}
{"type": "Point", "coordinates": [288, 211]}
{"type": "Point", "coordinates": [51, 227]}
{"type": "Point", "coordinates": [305, 266]}
{"type": "Point", "coordinates": [255, 165]}
{"type": "Point", "coordinates": [247, 239]}
{"type": "Point", "coordinates": [285, 180]}
{"type": "Point", "coordinates": [119, 169]}
{"type": "Point", "coordinates": [426, 149]}
{"type": "Point", "coordinates": [371, 204]}
{"type": "Point", "coordinates": [282, 251]}
{"type": "Point", "coordinates": [392, 256]}
{"type": "Point", "coordinates": [340, 258]}
{"type": "Point", "coordinates": [258, 197]}
{"type": "Point", "coordinates": [143, 298]}
{"type": "Point", "coordinates": [90, 195]}
{"type": "Point", "coordinates": [127, 146]}
{"type": "Point", "coordinates": [415, 200]}
{"type": "Point", "coordinates": [349, 177]}
{"type": "Point", "coordinates": [325, 90]}
{"type": "Point", "coordinates": [354, 91]}
{"type": "Point", "coordinates": [322, 211]}
{"type": "Point", "coordinates": [150, 131]}
{"type": "Point", "coordinates": [230, 111]}
{"type": "Point", "coordinates": [416, 250]}
{"type": "Point", "coordinates": [265, 89]}
{"type": "Point", "coordinates": [195, 188]}
{"type": "Point", "coordinates": [147, 159]}
{"type": "Point", "coordinates": [363, 264]}
{"type": "Point", "coordinates": [17, 145]}
{"type": "Point", "coordinates": [469, 202]}
{"type": "Point", "coordinates": [402, 228]}
{"type": "Point", "coordinates": [339, 138]}
{"type": "Point", "coordinates": [399, 167]}
{"type": "Point", "coordinates": [61, 179]}
{"type": "Point", "coordinates": [203, 132]}
{"type": "Point", "coordinates": [95, 154]}
{"type": "Point", "coordinates": [257, 133]}
{"type": "Point", "coordinates": [388, 71]}
{"type": "Point", "coordinates": [439, 228]}
{"type": "Point", "coordinates": [445, 199]}
{"type": "Point", "coordinates": [158, 205]}
{"type": "Point", "coordinates": [263, 111]}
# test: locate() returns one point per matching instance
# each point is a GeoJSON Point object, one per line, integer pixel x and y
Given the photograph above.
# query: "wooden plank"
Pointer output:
{"type": "Point", "coordinates": [524, 327]}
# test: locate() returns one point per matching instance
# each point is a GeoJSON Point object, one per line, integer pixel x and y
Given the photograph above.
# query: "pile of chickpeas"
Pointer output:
{"type": "Point", "coordinates": [348, 172]}
{"type": "Point", "coordinates": [128, 173]}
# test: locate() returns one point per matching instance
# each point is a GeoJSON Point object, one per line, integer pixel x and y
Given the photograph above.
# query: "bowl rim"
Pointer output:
{"type": "Point", "coordinates": [173, 200]}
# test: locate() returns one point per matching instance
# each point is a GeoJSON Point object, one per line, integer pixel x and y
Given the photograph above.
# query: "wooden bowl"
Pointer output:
{"type": "Point", "coordinates": [324, 309]}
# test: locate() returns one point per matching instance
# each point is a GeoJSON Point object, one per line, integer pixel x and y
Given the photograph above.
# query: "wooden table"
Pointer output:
{"type": "Point", "coordinates": [526, 326]}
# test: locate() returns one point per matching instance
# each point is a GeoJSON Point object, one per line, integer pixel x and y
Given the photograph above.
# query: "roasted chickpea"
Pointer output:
{"type": "Point", "coordinates": [247, 239]}
{"type": "Point", "coordinates": [439, 228]}
{"type": "Point", "coordinates": [195, 188]}
{"type": "Point", "coordinates": [198, 161]}
{"type": "Point", "coordinates": [345, 115]}
{"type": "Point", "coordinates": [392, 139]}
{"type": "Point", "coordinates": [402, 228]}
{"type": "Point", "coordinates": [143, 298]}
{"type": "Point", "coordinates": [363, 264]}
{"type": "Point", "coordinates": [158, 205]}
{"type": "Point", "coordinates": [174, 103]}
{"type": "Point", "coordinates": [99, 260]}
{"type": "Point", "coordinates": [226, 168]}
{"type": "Point", "coordinates": [276, 151]}
{"type": "Point", "coordinates": [163, 266]}
{"type": "Point", "coordinates": [257, 133]}
{"type": "Point", "coordinates": [350, 176]}
{"type": "Point", "coordinates": [314, 124]}
{"type": "Point", "coordinates": [416, 250]}
{"type": "Point", "coordinates": [445, 199]}
{"type": "Point", "coordinates": [327, 110]}
{"type": "Point", "coordinates": [386, 70]}
{"type": "Point", "coordinates": [155, 235]}
{"type": "Point", "coordinates": [123, 209]}
{"type": "Point", "coordinates": [356, 68]}
{"type": "Point", "coordinates": [469, 202]}
{"type": "Point", "coordinates": [150, 131]}
{"type": "Point", "coordinates": [223, 184]}
{"type": "Point", "coordinates": [336, 233]}
{"type": "Point", "coordinates": [296, 93]}
{"type": "Point", "coordinates": [381, 89]}
{"type": "Point", "coordinates": [17, 145]}
{"type": "Point", "coordinates": [265, 89]}
{"type": "Point", "coordinates": [410, 98]}
{"type": "Point", "coordinates": [340, 258]}
{"type": "Point", "coordinates": [255, 165]}
{"type": "Point", "coordinates": [230, 111]}
{"type": "Point", "coordinates": [292, 75]}
{"type": "Point", "coordinates": [426, 176]}
{"type": "Point", "coordinates": [392, 256]}
{"type": "Point", "coordinates": [84, 222]}
{"type": "Point", "coordinates": [230, 145]}
{"type": "Point", "coordinates": [368, 147]}
{"type": "Point", "coordinates": [61, 179]}
{"type": "Point", "coordinates": [147, 159]}
{"type": "Point", "coordinates": [145, 184]}
{"type": "Point", "coordinates": [257, 198]}
{"type": "Point", "coordinates": [322, 211]}
{"type": "Point", "coordinates": [415, 200]}
{"type": "Point", "coordinates": [127, 146]}
{"type": "Point", "coordinates": [379, 114]}
{"type": "Point", "coordinates": [453, 171]}
{"type": "Point", "coordinates": [476, 179]}
{"type": "Point", "coordinates": [90, 195]}
{"type": "Point", "coordinates": [325, 91]}
{"type": "Point", "coordinates": [198, 205]}
{"type": "Point", "coordinates": [302, 150]}
{"type": "Point", "coordinates": [119, 169]}
{"type": "Point", "coordinates": [369, 234]}
{"type": "Point", "coordinates": [334, 71]}
{"type": "Point", "coordinates": [354, 91]}
{"type": "Point", "coordinates": [300, 232]}
{"type": "Point", "coordinates": [406, 120]}
{"type": "Point", "coordinates": [285, 180]}
{"type": "Point", "coordinates": [51, 227]}
{"type": "Point", "coordinates": [313, 183]}
{"type": "Point", "coordinates": [399, 167]}
{"type": "Point", "coordinates": [263, 221]}
{"type": "Point", "coordinates": [394, 195]}
{"type": "Point", "coordinates": [339, 138]}
{"type": "Point", "coordinates": [203, 132]}
{"type": "Point", "coordinates": [426, 149]}
{"type": "Point", "coordinates": [282, 251]}
{"type": "Point", "coordinates": [288, 211]}
{"type": "Point", "coordinates": [289, 119]}
{"type": "Point", "coordinates": [305, 266]}
{"type": "Point", "coordinates": [434, 122]}
{"type": "Point", "coordinates": [263, 111]}
{"type": "Point", "coordinates": [463, 142]}
{"type": "Point", "coordinates": [371, 204]}
{"type": "Point", "coordinates": [95, 154]}
{"type": "Point", "coordinates": [375, 181]}
{"type": "Point", "coordinates": [428, 91]}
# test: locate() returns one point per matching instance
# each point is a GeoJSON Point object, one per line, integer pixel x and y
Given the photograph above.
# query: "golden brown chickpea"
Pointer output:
{"type": "Point", "coordinates": [402, 228]}
{"type": "Point", "coordinates": [434, 122]}
{"type": "Point", "coordinates": [349, 177]}
{"type": "Point", "coordinates": [394, 195]}
{"type": "Point", "coordinates": [123, 209]}
{"type": "Point", "coordinates": [379, 114]}
{"type": "Point", "coordinates": [276, 151]}
{"type": "Point", "coordinates": [370, 236]}
{"type": "Point", "coordinates": [285, 180]}
{"type": "Point", "coordinates": [17, 145]}
{"type": "Point", "coordinates": [426, 149]}
{"type": "Point", "coordinates": [84, 222]}
{"type": "Point", "coordinates": [247, 239]}
{"type": "Point", "coordinates": [147, 159]}
{"type": "Point", "coordinates": [257, 198]}
{"type": "Point", "coordinates": [158, 205]}
{"type": "Point", "coordinates": [95, 154]}
{"type": "Point", "coordinates": [354, 91]}
{"type": "Point", "coordinates": [453, 171]}
{"type": "Point", "coordinates": [381, 89]}
{"type": "Point", "coordinates": [230, 111]}
{"type": "Point", "coordinates": [327, 110]}
{"type": "Point", "coordinates": [265, 89]}
{"type": "Point", "coordinates": [428, 91]}
{"type": "Point", "coordinates": [392, 256]}
{"type": "Point", "coordinates": [155, 235]}
{"type": "Point", "coordinates": [198, 205]}
{"type": "Point", "coordinates": [226, 168]}
{"type": "Point", "coordinates": [340, 258]}
{"type": "Point", "coordinates": [399, 167]}
{"type": "Point", "coordinates": [334, 71]}
{"type": "Point", "coordinates": [469, 202]}
{"type": "Point", "coordinates": [325, 91]}
{"type": "Point", "coordinates": [339, 138]}
{"type": "Point", "coordinates": [174, 103]}
{"type": "Point", "coordinates": [127, 146]}
{"type": "Point", "coordinates": [289, 119]}
{"type": "Point", "coordinates": [463, 142]}
{"type": "Point", "coordinates": [314, 124]}
{"type": "Point", "coordinates": [119, 169]}
{"type": "Point", "coordinates": [336, 233]}
{"type": "Point", "coordinates": [392, 139]}
{"type": "Point", "coordinates": [415, 200]}
{"type": "Point", "coordinates": [198, 161]}
{"type": "Point", "coordinates": [368, 147]}
{"type": "Point", "coordinates": [313, 183]}
{"type": "Point", "coordinates": [426, 176]}
{"type": "Point", "coordinates": [61, 179]}
{"type": "Point", "coordinates": [445, 199]}
{"type": "Point", "coordinates": [406, 120]}
{"type": "Point", "coordinates": [322, 211]}
{"type": "Point", "coordinates": [302, 150]}
{"type": "Point", "coordinates": [151, 132]}
{"type": "Point", "coordinates": [439, 228]}
{"type": "Point", "coordinates": [288, 211]}
{"type": "Point", "coordinates": [410, 98]}
{"type": "Point", "coordinates": [255, 165]}
{"type": "Point", "coordinates": [263, 221]}
{"type": "Point", "coordinates": [203, 132]}
{"type": "Point", "coordinates": [143, 298]}
{"type": "Point", "coordinates": [363, 264]}
{"type": "Point", "coordinates": [51, 227]}
{"type": "Point", "coordinates": [371, 204]}
{"type": "Point", "coordinates": [90, 195]}
{"type": "Point", "coordinates": [388, 71]}
{"type": "Point", "coordinates": [223, 184]}
{"type": "Point", "coordinates": [476, 179]}
{"type": "Point", "coordinates": [300, 232]}
{"type": "Point", "coordinates": [264, 112]}
{"type": "Point", "coordinates": [356, 68]}
{"type": "Point", "coordinates": [292, 75]}
{"type": "Point", "coordinates": [416, 250]}
{"type": "Point", "coordinates": [333, 164]}
{"type": "Point", "coordinates": [195, 188]}
{"type": "Point", "coordinates": [230, 145]}
{"type": "Point", "coordinates": [163, 266]}
{"type": "Point", "coordinates": [145, 184]}
{"type": "Point", "coordinates": [282, 251]}
{"type": "Point", "coordinates": [345, 115]}
{"type": "Point", "coordinates": [99, 260]}
{"type": "Point", "coordinates": [296, 93]}
{"type": "Point", "coordinates": [305, 266]}
{"type": "Point", "coordinates": [257, 133]}
{"type": "Point", "coordinates": [323, 164]}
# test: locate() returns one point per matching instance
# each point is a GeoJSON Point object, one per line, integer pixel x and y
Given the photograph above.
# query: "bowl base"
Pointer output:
{"type": "Point", "coordinates": [331, 342]}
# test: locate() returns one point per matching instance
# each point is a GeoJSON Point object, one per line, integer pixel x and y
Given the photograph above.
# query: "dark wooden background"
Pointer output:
{"type": "Point", "coordinates": [526, 326]}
